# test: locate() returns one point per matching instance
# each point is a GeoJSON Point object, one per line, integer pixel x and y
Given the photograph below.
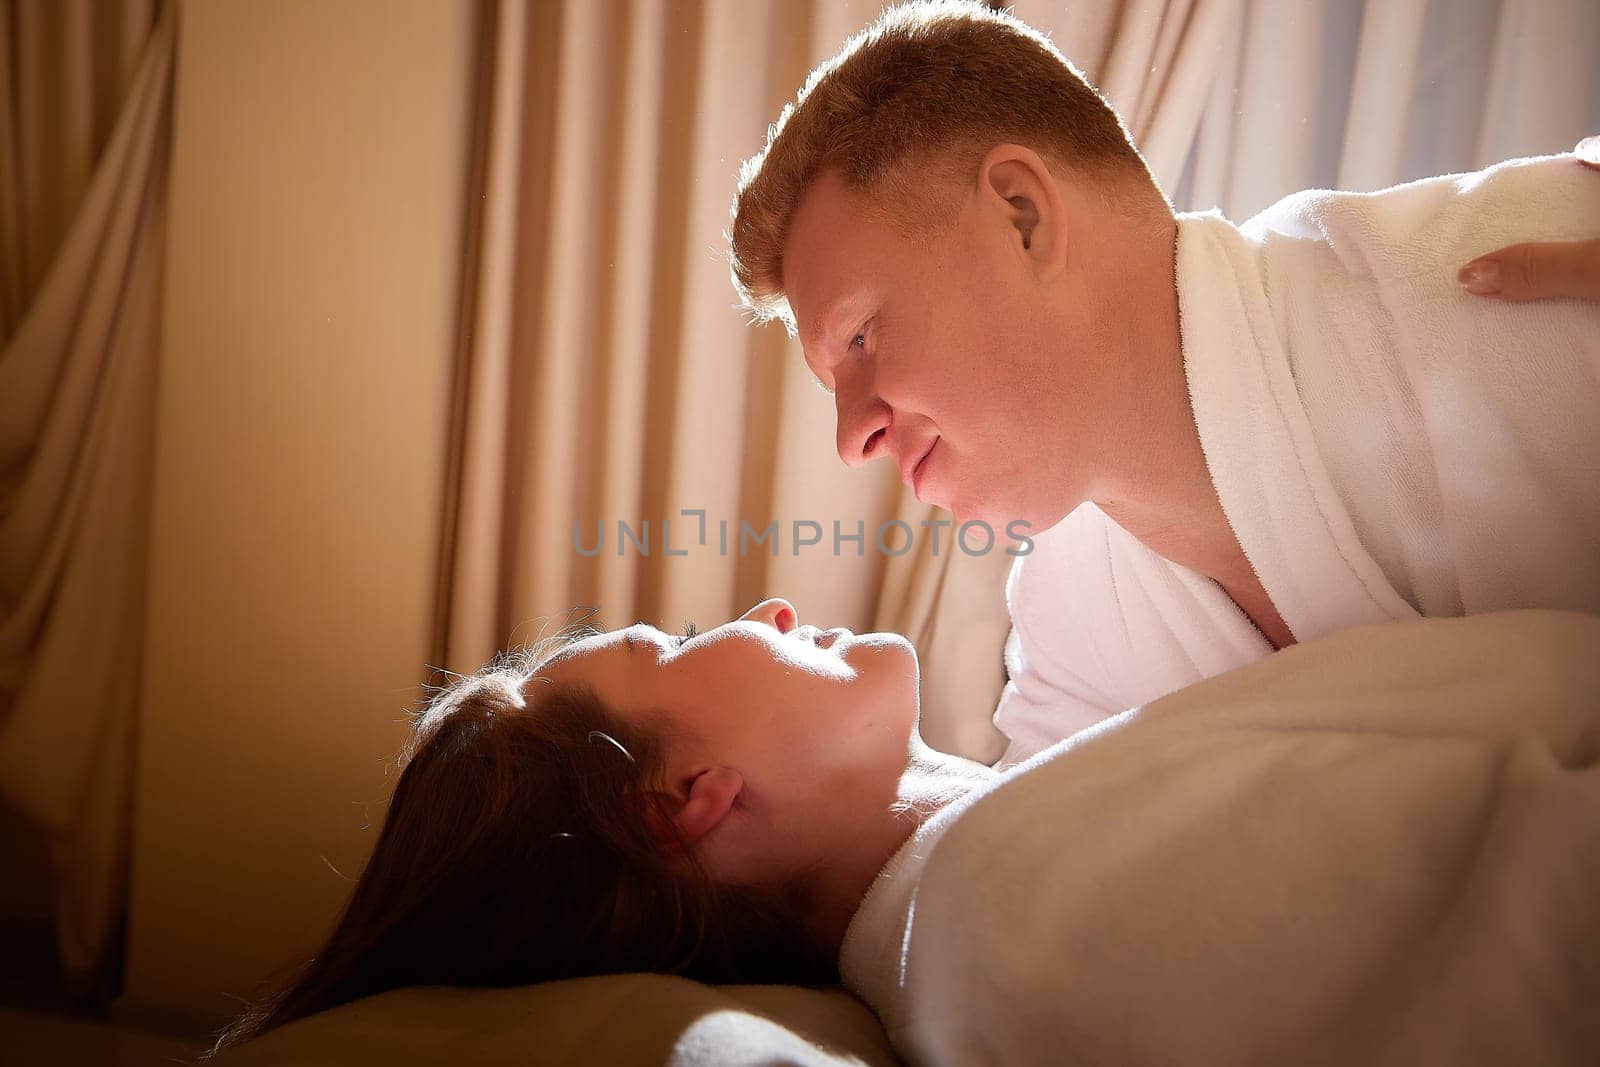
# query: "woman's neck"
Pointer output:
{"type": "Point", "coordinates": [931, 781]}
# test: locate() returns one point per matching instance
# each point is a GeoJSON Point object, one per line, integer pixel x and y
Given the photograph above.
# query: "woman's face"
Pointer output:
{"type": "Point", "coordinates": [818, 724]}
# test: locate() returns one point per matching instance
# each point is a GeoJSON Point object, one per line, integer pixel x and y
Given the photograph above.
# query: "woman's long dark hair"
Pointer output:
{"type": "Point", "coordinates": [522, 845]}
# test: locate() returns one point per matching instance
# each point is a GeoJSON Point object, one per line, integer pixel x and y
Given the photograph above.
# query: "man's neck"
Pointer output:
{"type": "Point", "coordinates": [1155, 481]}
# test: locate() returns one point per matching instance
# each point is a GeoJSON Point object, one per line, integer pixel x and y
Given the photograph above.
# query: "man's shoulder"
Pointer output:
{"type": "Point", "coordinates": [1444, 217]}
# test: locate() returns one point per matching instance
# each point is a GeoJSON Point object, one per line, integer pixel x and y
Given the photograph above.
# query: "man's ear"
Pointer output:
{"type": "Point", "coordinates": [704, 799]}
{"type": "Point", "coordinates": [1018, 185]}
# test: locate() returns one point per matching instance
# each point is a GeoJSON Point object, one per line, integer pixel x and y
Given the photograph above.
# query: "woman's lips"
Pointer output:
{"type": "Point", "coordinates": [823, 638]}
{"type": "Point", "coordinates": [827, 638]}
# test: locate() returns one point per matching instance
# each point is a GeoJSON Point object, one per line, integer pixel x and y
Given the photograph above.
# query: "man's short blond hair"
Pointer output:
{"type": "Point", "coordinates": [905, 113]}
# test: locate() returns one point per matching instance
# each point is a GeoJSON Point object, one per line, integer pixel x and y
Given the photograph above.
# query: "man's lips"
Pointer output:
{"type": "Point", "coordinates": [910, 472]}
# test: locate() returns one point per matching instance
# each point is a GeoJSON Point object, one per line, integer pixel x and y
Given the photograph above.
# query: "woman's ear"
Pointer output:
{"type": "Point", "coordinates": [704, 800]}
{"type": "Point", "coordinates": [1017, 184]}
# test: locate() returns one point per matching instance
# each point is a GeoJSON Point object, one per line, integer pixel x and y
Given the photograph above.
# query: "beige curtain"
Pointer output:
{"type": "Point", "coordinates": [1237, 103]}
{"type": "Point", "coordinates": [1331, 94]}
{"type": "Point", "coordinates": [1154, 60]}
{"type": "Point", "coordinates": [84, 129]}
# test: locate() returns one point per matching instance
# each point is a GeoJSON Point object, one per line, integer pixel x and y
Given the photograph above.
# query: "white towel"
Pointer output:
{"type": "Point", "coordinates": [1381, 847]}
{"type": "Point", "coordinates": [1384, 444]}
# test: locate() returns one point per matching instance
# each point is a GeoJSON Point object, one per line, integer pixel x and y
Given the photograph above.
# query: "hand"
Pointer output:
{"type": "Point", "coordinates": [1542, 270]}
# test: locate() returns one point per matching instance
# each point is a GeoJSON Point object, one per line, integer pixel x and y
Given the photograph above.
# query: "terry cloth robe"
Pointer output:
{"type": "Point", "coordinates": [1384, 444]}
{"type": "Point", "coordinates": [1382, 847]}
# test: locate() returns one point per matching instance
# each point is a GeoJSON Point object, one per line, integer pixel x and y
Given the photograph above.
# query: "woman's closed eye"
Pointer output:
{"type": "Point", "coordinates": [688, 632]}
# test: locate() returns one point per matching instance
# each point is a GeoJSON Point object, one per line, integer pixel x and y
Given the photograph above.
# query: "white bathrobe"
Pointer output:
{"type": "Point", "coordinates": [1382, 847]}
{"type": "Point", "coordinates": [1383, 444]}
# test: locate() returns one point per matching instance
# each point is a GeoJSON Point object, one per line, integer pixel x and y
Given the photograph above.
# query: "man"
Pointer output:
{"type": "Point", "coordinates": [1237, 438]}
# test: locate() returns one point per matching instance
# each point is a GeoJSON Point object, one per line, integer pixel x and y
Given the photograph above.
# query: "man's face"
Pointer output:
{"type": "Point", "coordinates": [948, 355]}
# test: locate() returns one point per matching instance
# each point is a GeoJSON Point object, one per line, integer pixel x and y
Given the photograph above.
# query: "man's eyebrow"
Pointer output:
{"type": "Point", "coordinates": [818, 341]}
{"type": "Point", "coordinates": [842, 317]}
{"type": "Point", "coordinates": [831, 321]}
{"type": "Point", "coordinates": [805, 358]}
{"type": "Point", "coordinates": [834, 319]}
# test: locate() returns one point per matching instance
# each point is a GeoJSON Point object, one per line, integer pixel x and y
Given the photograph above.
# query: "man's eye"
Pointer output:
{"type": "Point", "coordinates": [859, 341]}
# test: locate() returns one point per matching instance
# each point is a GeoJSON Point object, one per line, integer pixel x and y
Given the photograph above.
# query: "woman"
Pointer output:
{"type": "Point", "coordinates": [1382, 846]}
{"type": "Point", "coordinates": [713, 805]}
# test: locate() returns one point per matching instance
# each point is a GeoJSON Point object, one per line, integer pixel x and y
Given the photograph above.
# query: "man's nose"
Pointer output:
{"type": "Point", "coordinates": [777, 613]}
{"type": "Point", "coordinates": [863, 427]}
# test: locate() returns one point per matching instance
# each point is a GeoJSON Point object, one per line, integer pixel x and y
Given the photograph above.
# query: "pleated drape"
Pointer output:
{"type": "Point", "coordinates": [1334, 94]}
{"type": "Point", "coordinates": [1154, 60]}
{"type": "Point", "coordinates": [83, 199]}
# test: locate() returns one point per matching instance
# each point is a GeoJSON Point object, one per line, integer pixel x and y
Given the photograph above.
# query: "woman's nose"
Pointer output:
{"type": "Point", "coordinates": [776, 613]}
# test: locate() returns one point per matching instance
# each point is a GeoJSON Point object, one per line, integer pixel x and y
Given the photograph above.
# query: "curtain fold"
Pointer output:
{"type": "Point", "coordinates": [1362, 96]}
{"type": "Point", "coordinates": [1375, 131]}
{"type": "Point", "coordinates": [1160, 63]}
{"type": "Point", "coordinates": [1542, 90]}
{"type": "Point", "coordinates": [81, 273]}
{"type": "Point", "coordinates": [470, 550]}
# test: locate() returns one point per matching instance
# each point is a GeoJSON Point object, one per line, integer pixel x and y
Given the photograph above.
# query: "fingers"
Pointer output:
{"type": "Point", "coordinates": [1540, 271]}
{"type": "Point", "coordinates": [1588, 151]}
{"type": "Point", "coordinates": [1536, 271]}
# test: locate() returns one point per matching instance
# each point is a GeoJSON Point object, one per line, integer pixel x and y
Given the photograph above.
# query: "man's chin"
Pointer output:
{"type": "Point", "coordinates": [969, 510]}
{"type": "Point", "coordinates": [996, 516]}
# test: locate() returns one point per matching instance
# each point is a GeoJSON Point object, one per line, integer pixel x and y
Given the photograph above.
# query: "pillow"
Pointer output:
{"type": "Point", "coordinates": [612, 1019]}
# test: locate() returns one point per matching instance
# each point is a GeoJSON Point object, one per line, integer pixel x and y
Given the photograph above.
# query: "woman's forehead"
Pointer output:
{"type": "Point", "coordinates": [584, 648]}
